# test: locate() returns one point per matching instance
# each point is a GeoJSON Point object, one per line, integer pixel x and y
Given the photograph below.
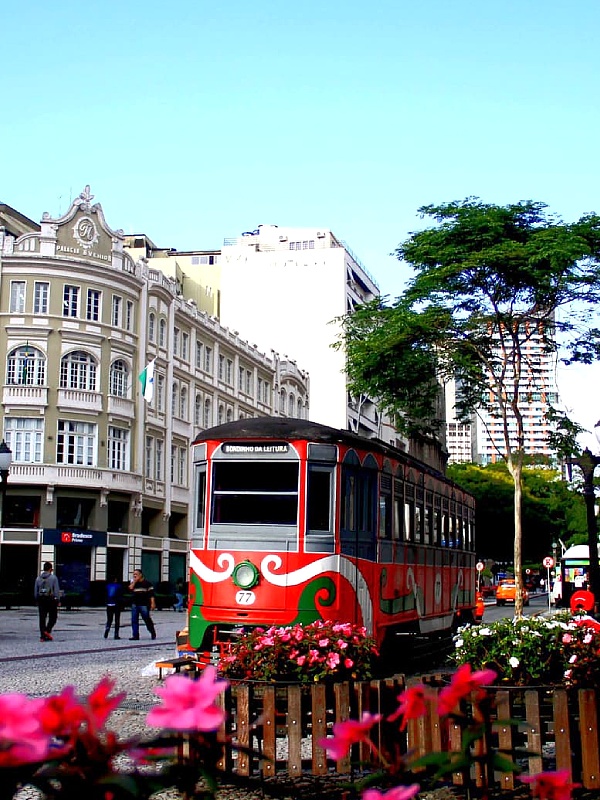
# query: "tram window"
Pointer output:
{"type": "Point", "coordinates": [201, 497]}
{"type": "Point", "coordinates": [409, 522]}
{"type": "Point", "coordinates": [397, 531]}
{"type": "Point", "coordinates": [319, 499]}
{"type": "Point", "coordinates": [255, 494]}
{"type": "Point", "coordinates": [427, 526]}
{"type": "Point", "coordinates": [385, 516]}
{"type": "Point", "coordinates": [418, 524]}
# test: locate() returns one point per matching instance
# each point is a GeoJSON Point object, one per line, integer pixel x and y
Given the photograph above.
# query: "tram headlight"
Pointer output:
{"type": "Point", "coordinates": [245, 575]}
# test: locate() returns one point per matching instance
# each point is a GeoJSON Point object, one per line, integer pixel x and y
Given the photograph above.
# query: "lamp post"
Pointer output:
{"type": "Point", "coordinates": [5, 462]}
{"type": "Point", "coordinates": [587, 463]}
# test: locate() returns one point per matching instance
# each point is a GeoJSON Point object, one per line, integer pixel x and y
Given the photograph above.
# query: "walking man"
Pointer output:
{"type": "Point", "coordinates": [142, 604]}
{"type": "Point", "coordinates": [46, 592]}
{"type": "Point", "coordinates": [114, 603]}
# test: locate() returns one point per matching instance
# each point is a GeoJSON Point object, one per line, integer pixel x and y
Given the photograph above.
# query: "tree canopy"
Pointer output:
{"type": "Point", "coordinates": [487, 280]}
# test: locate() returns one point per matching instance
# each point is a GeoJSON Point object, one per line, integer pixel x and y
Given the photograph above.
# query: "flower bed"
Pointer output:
{"type": "Point", "coordinates": [533, 651]}
{"type": "Point", "coordinates": [311, 653]}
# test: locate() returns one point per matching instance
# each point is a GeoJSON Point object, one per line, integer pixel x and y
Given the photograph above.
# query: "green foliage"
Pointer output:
{"type": "Point", "coordinates": [551, 509]}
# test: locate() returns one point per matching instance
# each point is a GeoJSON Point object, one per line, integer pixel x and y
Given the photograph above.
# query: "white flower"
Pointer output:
{"type": "Point", "coordinates": [573, 659]}
{"type": "Point", "coordinates": [459, 642]}
{"type": "Point", "coordinates": [485, 632]}
{"type": "Point", "coordinates": [514, 662]}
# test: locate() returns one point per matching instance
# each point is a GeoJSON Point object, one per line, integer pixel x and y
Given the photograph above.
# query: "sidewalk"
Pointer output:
{"type": "Point", "coordinates": [82, 631]}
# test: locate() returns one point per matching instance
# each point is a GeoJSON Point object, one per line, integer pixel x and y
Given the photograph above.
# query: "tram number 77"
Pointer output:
{"type": "Point", "coordinates": [245, 598]}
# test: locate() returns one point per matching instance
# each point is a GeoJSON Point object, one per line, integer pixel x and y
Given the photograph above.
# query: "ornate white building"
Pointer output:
{"type": "Point", "coordinates": [100, 479]}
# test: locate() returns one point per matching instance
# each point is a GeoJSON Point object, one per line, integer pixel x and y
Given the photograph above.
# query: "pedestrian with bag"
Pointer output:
{"type": "Point", "coordinates": [142, 604]}
{"type": "Point", "coordinates": [114, 604]}
{"type": "Point", "coordinates": [46, 592]}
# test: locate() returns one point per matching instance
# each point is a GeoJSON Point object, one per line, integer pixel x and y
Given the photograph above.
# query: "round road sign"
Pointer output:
{"type": "Point", "coordinates": [548, 562]}
{"type": "Point", "coordinates": [479, 566]}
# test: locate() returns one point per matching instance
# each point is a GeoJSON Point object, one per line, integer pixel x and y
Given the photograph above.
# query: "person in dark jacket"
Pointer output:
{"type": "Point", "coordinates": [46, 592]}
{"type": "Point", "coordinates": [142, 604]}
{"type": "Point", "coordinates": [114, 604]}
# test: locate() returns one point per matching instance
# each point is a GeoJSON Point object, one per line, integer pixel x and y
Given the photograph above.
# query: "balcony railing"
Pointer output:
{"type": "Point", "coordinates": [17, 395]}
{"type": "Point", "coordinates": [79, 398]}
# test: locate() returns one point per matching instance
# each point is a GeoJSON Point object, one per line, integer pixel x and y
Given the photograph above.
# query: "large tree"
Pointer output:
{"type": "Point", "coordinates": [487, 280]}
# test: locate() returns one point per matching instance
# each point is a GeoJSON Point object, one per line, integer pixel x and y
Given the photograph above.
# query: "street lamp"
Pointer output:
{"type": "Point", "coordinates": [5, 462]}
{"type": "Point", "coordinates": [587, 463]}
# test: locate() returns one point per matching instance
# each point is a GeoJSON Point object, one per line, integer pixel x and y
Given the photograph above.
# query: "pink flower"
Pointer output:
{"type": "Point", "coordinates": [342, 644]}
{"type": "Point", "coordinates": [22, 737]}
{"type": "Point", "coordinates": [412, 705]}
{"type": "Point", "coordinates": [463, 682]}
{"type": "Point", "coordinates": [551, 785]}
{"type": "Point", "coordinates": [301, 660]}
{"type": "Point", "coordinates": [397, 793]}
{"type": "Point", "coordinates": [567, 638]}
{"type": "Point", "coordinates": [188, 705]}
{"type": "Point", "coordinates": [347, 733]}
{"type": "Point", "coordinates": [323, 642]}
{"type": "Point", "coordinates": [348, 663]}
{"type": "Point", "coordinates": [333, 659]}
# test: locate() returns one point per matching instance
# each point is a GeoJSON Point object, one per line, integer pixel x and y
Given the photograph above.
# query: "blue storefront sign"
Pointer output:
{"type": "Point", "coordinates": [57, 536]}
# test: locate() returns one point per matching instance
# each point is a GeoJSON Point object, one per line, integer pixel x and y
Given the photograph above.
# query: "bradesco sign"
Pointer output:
{"type": "Point", "coordinates": [58, 536]}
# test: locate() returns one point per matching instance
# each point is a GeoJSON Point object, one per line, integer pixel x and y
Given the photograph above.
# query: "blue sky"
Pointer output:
{"type": "Point", "coordinates": [195, 121]}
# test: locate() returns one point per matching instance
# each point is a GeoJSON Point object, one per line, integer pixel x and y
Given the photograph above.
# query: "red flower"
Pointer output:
{"type": "Point", "coordinates": [62, 714]}
{"type": "Point", "coordinates": [551, 785]}
{"type": "Point", "coordinates": [347, 733]}
{"type": "Point", "coordinates": [412, 705]}
{"type": "Point", "coordinates": [463, 682]}
{"type": "Point", "coordinates": [100, 704]}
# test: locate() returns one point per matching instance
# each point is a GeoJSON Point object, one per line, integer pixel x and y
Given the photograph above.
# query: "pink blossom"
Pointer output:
{"type": "Point", "coordinates": [347, 733]}
{"type": "Point", "coordinates": [188, 705]}
{"type": "Point", "coordinates": [588, 638]}
{"type": "Point", "coordinates": [348, 663]}
{"type": "Point", "coordinates": [342, 644]}
{"type": "Point", "coordinates": [22, 737]}
{"type": "Point", "coordinates": [463, 682]}
{"type": "Point", "coordinates": [301, 660]}
{"type": "Point", "coordinates": [314, 656]}
{"type": "Point", "coordinates": [412, 705]}
{"type": "Point", "coordinates": [551, 785]}
{"type": "Point", "coordinates": [323, 642]}
{"type": "Point", "coordinates": [567, 638]}
{"type": "Point", "coordinates": [333, 659]}
{"type": "Point", "coordinates": [101, 704]}
{"type": "Point", "coordinates": [397, 793]}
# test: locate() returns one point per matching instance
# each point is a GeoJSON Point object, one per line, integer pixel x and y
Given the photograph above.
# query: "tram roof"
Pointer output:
{"type": "Point", "coordinates": [291, 428]}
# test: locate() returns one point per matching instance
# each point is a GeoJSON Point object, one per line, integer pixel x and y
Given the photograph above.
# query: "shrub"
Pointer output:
{"type": "Point", "coordinates": [303, 653]}
{"type": "Point", "coordinates": [532, 650]}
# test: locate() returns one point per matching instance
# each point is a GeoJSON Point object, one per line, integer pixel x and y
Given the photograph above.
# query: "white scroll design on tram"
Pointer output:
{"type": "Point", "coordinates": [348, 569]}
{"type": "Point", "coordinates": [225, 560]}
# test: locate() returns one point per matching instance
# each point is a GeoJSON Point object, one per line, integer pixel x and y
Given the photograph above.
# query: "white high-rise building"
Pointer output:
{"type": "Point", "coordinates": [538, 392]}
{"type": "Point", "coordinates": [285, 287]}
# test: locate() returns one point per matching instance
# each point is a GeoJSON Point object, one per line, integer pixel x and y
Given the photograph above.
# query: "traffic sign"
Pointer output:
{"type": "Point", "coordinates": [479, 566]}
{"type": "Point", "coordinates": [548, 562]}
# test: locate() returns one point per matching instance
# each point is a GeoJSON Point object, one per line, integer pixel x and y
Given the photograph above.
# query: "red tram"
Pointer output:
{"type": "Point", "coordinates": [295, 521]}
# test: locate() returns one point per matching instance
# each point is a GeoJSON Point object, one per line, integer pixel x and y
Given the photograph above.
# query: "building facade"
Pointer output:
{"type": "Point", "coordinates": [481, 440]}
{"type": "Point", "coordinates": [286, 287]}
{"type": "Point", "coordinates": [100, 479]}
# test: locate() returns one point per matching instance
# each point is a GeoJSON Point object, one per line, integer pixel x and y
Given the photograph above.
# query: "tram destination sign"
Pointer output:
{"type": "Point", "coordinates": [255, 448]}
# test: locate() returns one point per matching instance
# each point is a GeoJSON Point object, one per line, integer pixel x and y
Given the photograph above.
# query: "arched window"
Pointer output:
{"type": "Point", "coordinates": [174, 400]}
{"type": "Point", "coordinates": [78, 371]}
{"type": "Point", "coordinates": [162, 333]}
{"type": "Point", "coordinates": [198, 410]}
{"type": "Point", "coordinates": [183, 403]}
{"type": "Point", "coordinates": [299, 408]}
{"type": "Point", "coordinates": [207, 422]}
{"type": "Point", "coordinates": [291, 405]}
{"type": "Point", "coordinates": [118, 378]}
{"type": "Point", "coordinates": [221, 415]}
{"type": "Point", "coordinates": [229, 415]}
{"type": "Point", "coordinates": [26, 366]}
{"type": "Point", "coordinates": [282, 401]}
{"type": "Point", "coordinates": [151, 326]}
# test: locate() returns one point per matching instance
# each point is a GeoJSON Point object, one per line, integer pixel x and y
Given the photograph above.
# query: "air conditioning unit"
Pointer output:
{"type": "Point", "coordinates": [283, 238]}
{"type": "Point", "coordinates": [320, 235]}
